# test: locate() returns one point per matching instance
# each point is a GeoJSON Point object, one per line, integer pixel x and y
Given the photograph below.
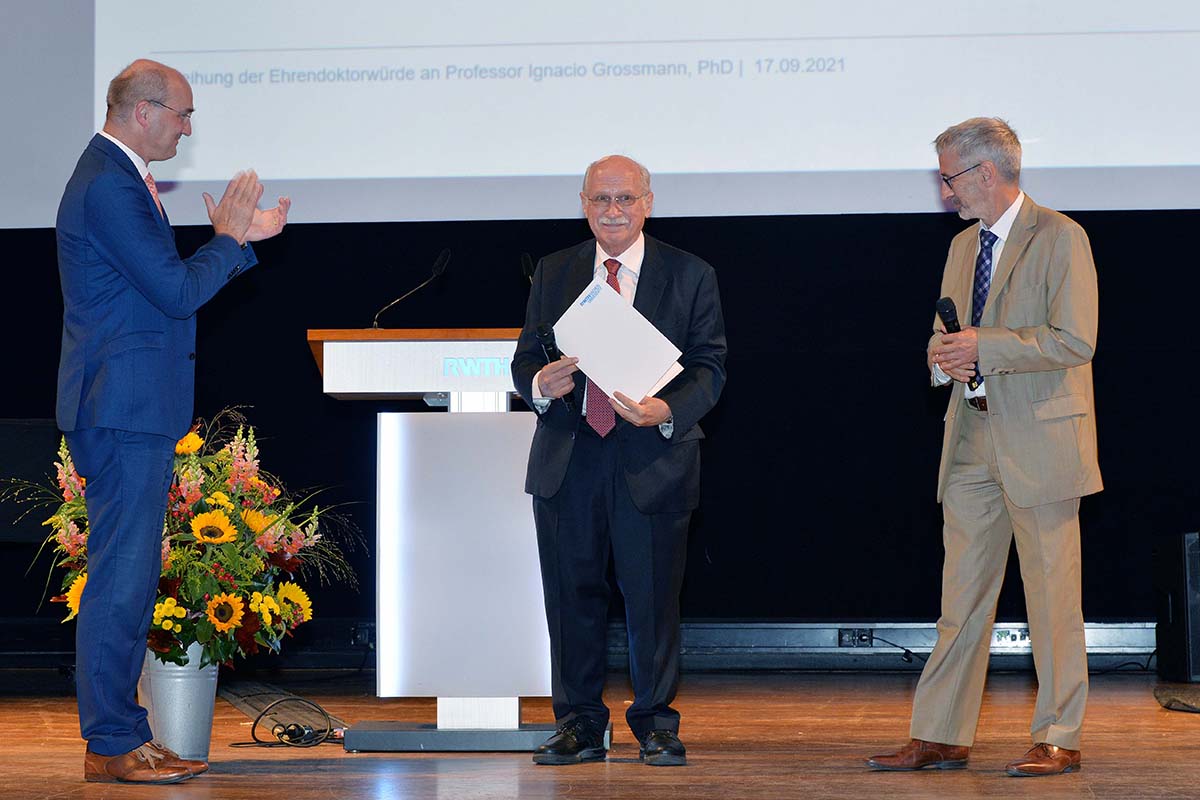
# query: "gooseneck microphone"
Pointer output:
{"type": "Point", "coordinates": [545, 337]}
{"type": "Point", "coordinates": [527, 266]}
{"type": "Point", "coordinates": [948, 313]}
{"type": "Point", "coordinates": [439, 266]}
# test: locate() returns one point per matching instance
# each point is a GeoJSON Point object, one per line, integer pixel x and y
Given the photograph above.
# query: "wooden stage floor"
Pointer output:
{"type": "Point", "coordinates": [760, 735]}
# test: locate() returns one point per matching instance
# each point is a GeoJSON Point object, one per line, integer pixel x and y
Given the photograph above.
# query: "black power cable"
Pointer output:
{"type": "Point", "coordinates": [293, 734]}
{"type": "Point", "coordinates": [908, 656]}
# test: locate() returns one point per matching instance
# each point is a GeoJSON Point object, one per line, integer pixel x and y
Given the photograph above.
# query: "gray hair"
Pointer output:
{"type": "Point", "coordinates": [141, 80]}
{"type": "Point", "coordinates": [642, 171]}
{"type": "Point", "coordinates": [984, 139]}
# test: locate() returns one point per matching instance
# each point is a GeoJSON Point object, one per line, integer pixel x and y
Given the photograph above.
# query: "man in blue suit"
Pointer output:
{"type": "Point", "coordinates": [125, 387]}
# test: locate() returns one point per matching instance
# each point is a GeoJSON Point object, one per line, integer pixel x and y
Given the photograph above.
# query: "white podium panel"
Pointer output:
{"type": "Point", "coordinates": [460, 610]}
{"type": "Point", "coordinates": [387, 368]}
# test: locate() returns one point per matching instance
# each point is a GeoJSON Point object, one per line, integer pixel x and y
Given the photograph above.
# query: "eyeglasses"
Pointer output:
{"type": "Point", "coordinates": [186, 116]}
{"type": "Point", "coordinates": [946, 179]}
{"type": "Point", "coordinates": [622, 200]}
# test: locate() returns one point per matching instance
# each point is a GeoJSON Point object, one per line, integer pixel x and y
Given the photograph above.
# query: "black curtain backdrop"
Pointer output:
{"type": "Point", "coordinates": [821, 461]}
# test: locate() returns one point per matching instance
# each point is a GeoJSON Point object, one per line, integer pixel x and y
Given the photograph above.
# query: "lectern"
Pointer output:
{"type": "Point", "coordinates": [459, 609]}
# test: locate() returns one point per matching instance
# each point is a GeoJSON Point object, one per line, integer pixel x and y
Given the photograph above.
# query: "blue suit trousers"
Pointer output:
{"type": "Point", "coordinates": [128, 477]}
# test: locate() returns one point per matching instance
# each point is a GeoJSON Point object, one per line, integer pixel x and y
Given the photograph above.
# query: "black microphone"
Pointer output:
{"type": "Point", "coordinates": [527, 266]}
{"type": "Point", "coordinates": [439, 266]}
{"type": "Point", "coordinates": [545, 337]}
{"type": "Point", "coordinates": [948, 313]}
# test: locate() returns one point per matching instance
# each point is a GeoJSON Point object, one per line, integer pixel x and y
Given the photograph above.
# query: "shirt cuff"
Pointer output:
{"type": "Point", "coordinates": [540, 403]}
{"type": "Point", "coordinates": [939, 378]}
{"type": "Point", "coordinates": [667, 429]}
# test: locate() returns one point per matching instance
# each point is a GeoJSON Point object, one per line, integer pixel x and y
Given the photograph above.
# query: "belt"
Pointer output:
{"type": "Point", "coordinates": [977, 403]}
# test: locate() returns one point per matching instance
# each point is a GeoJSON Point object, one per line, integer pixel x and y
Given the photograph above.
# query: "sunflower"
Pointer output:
{"type": "Point", "coordinates": [257, 521]}
{"type": "Point", "coordinates": [291, 594]}
{"type": "Point", "coordinates": [225, 612]}
{"type": "Point", "coordinates": [213, 527]}
{"type": "Point", "coordinates": [74, 593]}
{"type": "Point", "coordinates": [188, 444]}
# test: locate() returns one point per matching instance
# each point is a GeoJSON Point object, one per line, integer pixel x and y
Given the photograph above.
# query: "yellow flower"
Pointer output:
{"type": "Point", "coordinates": [213, 527]}
{"type": "Point", "coordinates": [221, 500]}
{"type": "Point", "coordinates": [257, 521]}
{"type": "Point", "coordinates": [188, 444]}
{"type": "Point", "coordinates": [225, 612]}
{"type": "Point", "coordinates": [290, 594]}
{"type": "Point", "coordinates": [164, 611]}
{"type": "Point", "coordinates": [74, 593]}
{"type": "Point", "coordinates": [265, 605]}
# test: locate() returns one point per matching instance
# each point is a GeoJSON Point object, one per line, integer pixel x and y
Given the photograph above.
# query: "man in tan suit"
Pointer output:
{"type": "Point", "coordinates": [1019, 451]}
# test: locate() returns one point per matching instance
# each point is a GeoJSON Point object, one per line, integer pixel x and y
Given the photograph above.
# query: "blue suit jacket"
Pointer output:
{"type": "Point", "coordinates": [129, 324]}
{"type": "Point", "coordinates": [677, 292]}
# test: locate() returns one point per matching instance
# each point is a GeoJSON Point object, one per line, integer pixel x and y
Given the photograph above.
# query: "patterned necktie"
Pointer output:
{"type": "Point", "coordinates": [600, 414]}
{"type": "Point", "coordinates": [983, 275]}
{"type": "Point", "coordinates": [983, 284]}
{"type": "Point", "coordinates": [154, 192]}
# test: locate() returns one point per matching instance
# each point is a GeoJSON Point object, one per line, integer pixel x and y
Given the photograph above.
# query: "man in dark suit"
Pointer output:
{"type": "Point", "coordinates": [618, 477]}
{"type": "Point", "coordinates": [125, 384]}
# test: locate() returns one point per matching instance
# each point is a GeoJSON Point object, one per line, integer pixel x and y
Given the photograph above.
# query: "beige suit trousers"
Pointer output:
{"type": "Point", "coordinates": [979, 522]}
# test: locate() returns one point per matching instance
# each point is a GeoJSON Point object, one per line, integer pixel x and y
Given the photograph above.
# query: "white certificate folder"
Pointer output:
{"type": "Point", "coordinates": [616, 346]}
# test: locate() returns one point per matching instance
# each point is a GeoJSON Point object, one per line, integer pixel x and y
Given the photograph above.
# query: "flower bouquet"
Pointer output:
{"type": "Point", "coordinates": [233, 543]}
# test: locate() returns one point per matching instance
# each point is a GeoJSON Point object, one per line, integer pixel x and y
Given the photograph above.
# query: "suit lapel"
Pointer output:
{"type": "Point", "coordinates": [118, 157]}
{"type": "Point", "coordinates": [652, 281]}
{"type": "Point", "coordinates": [1018, 239]}
{"type": "Point", "coordinates": [580, 273]}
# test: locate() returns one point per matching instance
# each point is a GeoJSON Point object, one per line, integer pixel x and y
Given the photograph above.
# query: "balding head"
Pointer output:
{"type": "Point", "coordinates": [616, 200]}
{"type": "Point", "coordinates": [149, 109]}
{"type": "Point", "coordinates": [141, 80]}
{"type": "Point", "coordinates": [622, 161]}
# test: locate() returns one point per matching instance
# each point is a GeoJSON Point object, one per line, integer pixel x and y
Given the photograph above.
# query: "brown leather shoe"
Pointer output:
{"type": "Point", "coordinates": [145, 764]}
{"type": "Point", "coordinates": [1045, 759]}
{"type": "Point", "coordinates": [193, 766]}
{"type": "Point", "coordinates": [918, 754]}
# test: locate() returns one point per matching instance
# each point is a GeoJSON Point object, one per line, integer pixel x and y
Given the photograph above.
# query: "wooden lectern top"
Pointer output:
{"type": "Point", "coordinates": [318, 337]}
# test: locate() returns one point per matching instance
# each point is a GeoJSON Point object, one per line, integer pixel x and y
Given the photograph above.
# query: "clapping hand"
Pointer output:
{"type": "Point", "coordinates": [270, 222]}
{"type": "Point", "coordinates": [233, 215]}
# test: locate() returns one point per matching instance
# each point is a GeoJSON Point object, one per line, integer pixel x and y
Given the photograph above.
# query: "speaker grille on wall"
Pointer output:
{"type": "Point", "coordinates": [1177, 595]}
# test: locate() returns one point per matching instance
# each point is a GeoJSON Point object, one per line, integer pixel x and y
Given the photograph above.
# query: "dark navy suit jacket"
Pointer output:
{"type": "Point", "coordinates": [677, 293]}
{"type": "Point", "coordinates": [129, 324]}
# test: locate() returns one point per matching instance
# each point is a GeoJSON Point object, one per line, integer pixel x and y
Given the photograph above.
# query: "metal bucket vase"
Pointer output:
{"type": "Point", "coordinates": [179, 702]}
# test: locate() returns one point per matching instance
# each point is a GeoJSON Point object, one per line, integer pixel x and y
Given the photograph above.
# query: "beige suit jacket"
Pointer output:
{"type": "Point", "coordinates": [1036, 341]}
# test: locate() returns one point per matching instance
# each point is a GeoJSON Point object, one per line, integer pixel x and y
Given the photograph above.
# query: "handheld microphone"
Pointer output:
{"type": "Point", "coordinates": [527, 266]}
{"type": "Point", "coordinates": [948, 313]}
{"type": "Point", "coordinates": [439, 266]}
{"type": "Point", "coordinates": [545, 337]}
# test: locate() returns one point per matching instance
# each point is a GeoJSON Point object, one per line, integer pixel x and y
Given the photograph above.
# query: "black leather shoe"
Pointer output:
{"type": "Point", "coordinates": [578, 740]}
{"type": "Point", "coordinates": [663, 749]}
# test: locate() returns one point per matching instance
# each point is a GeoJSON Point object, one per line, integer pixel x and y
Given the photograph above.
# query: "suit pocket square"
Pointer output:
{"type": "Point", "coordinates": [1069, 405]}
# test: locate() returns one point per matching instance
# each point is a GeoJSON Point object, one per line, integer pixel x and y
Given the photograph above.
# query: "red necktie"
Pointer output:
{"type": "Point", "coordinates": [154, 192]}
{"type": "Point", "coordinates": [600, 414]}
